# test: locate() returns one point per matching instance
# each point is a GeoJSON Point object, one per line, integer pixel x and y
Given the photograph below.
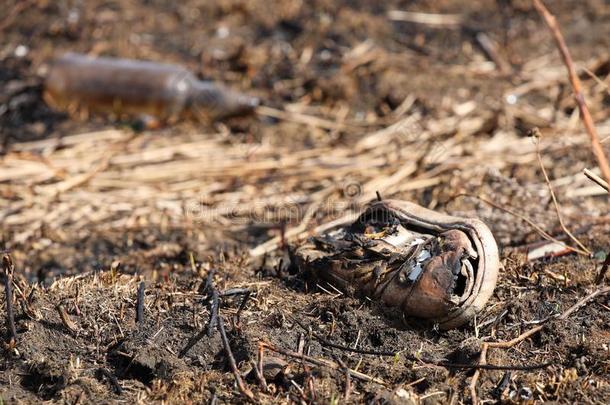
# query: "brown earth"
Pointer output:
{"type": "Point", "coordinates": [88, 209]}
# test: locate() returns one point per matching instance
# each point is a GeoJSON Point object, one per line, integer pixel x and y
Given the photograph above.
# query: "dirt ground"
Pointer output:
{"type": "Point", "coordinates": [355, 101]}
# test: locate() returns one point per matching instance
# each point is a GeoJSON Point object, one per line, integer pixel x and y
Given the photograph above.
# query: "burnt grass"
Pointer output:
{"type": "Point", "coordinates": [96, 351]}
{"type": "Point", "coordinates": [108, 356]}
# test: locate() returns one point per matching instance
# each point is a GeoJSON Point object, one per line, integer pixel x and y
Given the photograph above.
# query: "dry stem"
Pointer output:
{"type": "Point", "coordinates": [225, 342]}
{"type": "Point", "coordinates": [477, 373]}
{"type": "Point", "coordinates": [583, 301]}
{"type": "Point", "coordinates": [7, 266]}
{"type": "Point", "coordinates": [537, 136]}
{"type": "Point", "coordinates": [538, 229]}
{"type": "Point", "coordinates": [322, 362]}
{"type": "Point", "coordinates": [595, 178]}
{"type": "Point", "coordinates": [603, 269]}
{"type": "Point", "coordinates": [585, 115]}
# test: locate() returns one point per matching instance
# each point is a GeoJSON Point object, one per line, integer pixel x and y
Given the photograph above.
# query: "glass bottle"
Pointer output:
{"type": "Point", "coordinates": [78, 83]}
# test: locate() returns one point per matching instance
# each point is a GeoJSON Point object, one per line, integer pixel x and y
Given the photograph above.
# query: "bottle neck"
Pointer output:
{"type": "Point", "coordinates": [212, 101]}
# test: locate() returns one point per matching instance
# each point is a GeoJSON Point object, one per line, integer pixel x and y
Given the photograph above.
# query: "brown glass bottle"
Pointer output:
{"type": "Point", "coordinates": [79, 83]}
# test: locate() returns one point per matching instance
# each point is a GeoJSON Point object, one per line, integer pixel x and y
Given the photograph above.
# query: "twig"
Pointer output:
{"type": "Point", "coordinates": [225, 343]}
{"type": "Point", "coordinates": [322, 362]}
{"type": "Point", "coordinates": [522, 217]}
{"type": "Point", "coordinates": [140, 303]}
{"type": "Point", "coordinates": [348, 384]}
{"type": "Point", "coordinates": [261, 354]}
{"type": "Point", "coordinates": [595, 178]}
{"type": "Point", "coordinates": [477, 373]}
{"type": "Point", "coordinates": [537, 135]}
{"type": "Point", "coordinates": [422, 359]}
{"type": "Point", "coordinates": [209, 282]}
{"type": "Point", "coordinates": [235, 291]}
{"type": "Point", "coordinates": [214, 305]}
{"type": "Point", "coordinates": [65, 318]}
{"type": "Point", "coordinates": [507, 344]}
{"type": "Point", "coordinates": [213, 312]}
{"type": "Point", "coordinates": [583, 301]}
{"type": "Point", "coordinates": [114, 382]}
{"type": "Point", "coordinates": [259, 376]}
{"type": "Point", "coordinates": [300, 390]}
{"type": "Point", "coordinates": [8, 267]}
{"type": "Point", "coordinates": [564, 315]}
{"type": "Point", "coordinates": [603, 269]}
{"type": "Point", "coordinates": [243, 304]}
{"type": "Point", "coordinates": [348, 379]}
{"type": "Point", "coordinates": [310, 384]}
{"type": "Point", "coordinates": [585, 115]}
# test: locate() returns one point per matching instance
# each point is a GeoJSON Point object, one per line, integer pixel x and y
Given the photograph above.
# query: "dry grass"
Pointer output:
{"type": "Point", "coordinates": [115, 179]}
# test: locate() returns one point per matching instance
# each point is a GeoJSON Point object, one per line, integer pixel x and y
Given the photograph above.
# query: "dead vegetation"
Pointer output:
{"type": "Point", "coordinates": [432, 107]}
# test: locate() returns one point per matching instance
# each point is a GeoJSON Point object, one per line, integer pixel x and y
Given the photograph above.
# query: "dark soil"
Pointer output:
{"type": "Point", "coordinates": [287, 52]}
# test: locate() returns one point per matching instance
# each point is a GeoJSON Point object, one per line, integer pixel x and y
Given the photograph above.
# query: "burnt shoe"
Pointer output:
{"type": "Point", "coordinates": [429, 265]}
